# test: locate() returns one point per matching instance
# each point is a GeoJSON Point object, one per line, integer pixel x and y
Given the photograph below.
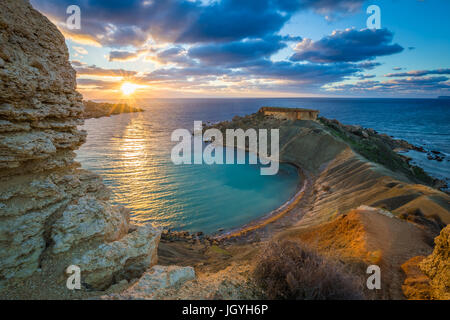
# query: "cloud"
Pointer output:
{"type": "Point", "coordinates": [236, 52]}
{"type": "Point", "coordinates": [122, 56]}
{"type": "Point", "coordinates": [133, 22]}
{"type": "Point", "coordinates": [122, 36]}
{"type": "Point", "coordinates": [119, 55]}
{"type": "Point", "coordinates": [76, 63]}
{"type": "Point", "coordinates": [350, 45]}
{"type": "Point", "coordinates": [366, 76]}
{"type": "Point", "coordinates": [394, 86]}
{"type": "Point", "coordinates": [312, 74]}
{"type": "Point", "coordinates": [96, 84]}
{"type": "Point", "coordinates": [80, 50]}
{"type": "Point", "coordinates": [419, 73]}
{"type": "Point", "coordinates": [224, 44]}
{"type": "Point", "coordinates": [369, 65]}
{"type": "Point", "coordinates": [172, 55]}
{"type": "Point", "coordinates": [263, 74]}
{"type": "Point", "coordinates": [331, 6]}
{"type": "Point", "coordinates": [97, 71]}
{"type": "Point", "coordinates": [183, 74]}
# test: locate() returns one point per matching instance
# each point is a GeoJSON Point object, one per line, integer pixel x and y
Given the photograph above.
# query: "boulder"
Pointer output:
{"type": "Point", "coordinates": [127, 258]}
{"type": "Point", "coordinates": [89, 219]}
{"type": "Point", "coordinates": [156, 280]}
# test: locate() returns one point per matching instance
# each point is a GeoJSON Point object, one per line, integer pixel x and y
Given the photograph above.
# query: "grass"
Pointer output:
{"type": "Point", "coordinates": [375, 150]}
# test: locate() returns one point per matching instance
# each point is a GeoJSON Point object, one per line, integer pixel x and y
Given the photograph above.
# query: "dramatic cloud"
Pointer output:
{"type": "Point", "coordinates": [80, 50]}
{"type": "Point", "coordinates": [173, 55]}
{"type": "Point", "coordinates": [419, 73]}
{"type": "Point", "coordinates": [96, 71]}
{"type": "Point", "coordinates": [236, 52]}
{"type": "Point", "coordinates": [183, 74]}
{"type": "Point", "coordinates": [122, 56]}
{"type": "Point", "coordinates": [366, 76]}
{"type": "Point", "coordinates": [409, 85]}
{"type": "Point", "coordinates": [230, 45]}
{"type": "Point", "coordinates": [76, 63]}
{"type": "Point", "coordinates": [311, 74]}
{"type": "Point", "coordinates": [126, 55]}
{"type": "Point", "coordinates": [132, 22]}
{"type": "Point", "coordinates": [369, 65]}
{"type": "Point", "coordinates": [349, 45]}
{"type": "Point", "coordinates": [96, 84]}
{"type": "Point", "coordinates": [330, 6]}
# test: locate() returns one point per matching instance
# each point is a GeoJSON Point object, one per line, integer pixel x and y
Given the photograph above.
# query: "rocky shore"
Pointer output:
{"type": "Point", "coordinates": [364, 203]}
{"type": "Point", "coordinates": [102, 109]}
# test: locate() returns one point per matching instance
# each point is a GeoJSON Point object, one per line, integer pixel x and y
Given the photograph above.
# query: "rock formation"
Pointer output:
{"type": "Point", "coordinates": [97, 110]}
{"type": "Point", "coordinates": [362, 202]}
{"type": "Point", "coordinates": [52, 213]}
{"type": "Point", "coordinates": [155, 281]}
{"type": "Point", "coordinates": [437, 266]}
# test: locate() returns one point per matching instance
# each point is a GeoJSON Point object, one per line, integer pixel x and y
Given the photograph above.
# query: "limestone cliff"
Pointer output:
{"type": "Point", "coordinates": [437, 267]}
{"type": "Point", "coordinates": [52, 213]}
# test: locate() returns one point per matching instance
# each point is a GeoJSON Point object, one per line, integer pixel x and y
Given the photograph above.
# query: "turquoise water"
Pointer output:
{"type": "Point", "coordinates": [132, 153]}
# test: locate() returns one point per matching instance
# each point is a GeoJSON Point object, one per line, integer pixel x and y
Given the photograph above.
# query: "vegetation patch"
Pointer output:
{"type": "Point", "coordinates": [289, 270]}
{"type": "Point", "coordinates": [374, 149]}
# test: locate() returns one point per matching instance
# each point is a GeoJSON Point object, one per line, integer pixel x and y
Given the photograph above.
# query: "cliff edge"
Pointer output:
{"type": "Point", "coordinates": [52, 213]}
{"type": "Point", "coordinates": [363, 203]}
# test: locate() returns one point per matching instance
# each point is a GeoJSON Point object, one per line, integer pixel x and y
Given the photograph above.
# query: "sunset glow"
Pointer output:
{"type": "Point", "coordinates": [128, 88]}
{"type": "Point", "coordinates": [308, 49]}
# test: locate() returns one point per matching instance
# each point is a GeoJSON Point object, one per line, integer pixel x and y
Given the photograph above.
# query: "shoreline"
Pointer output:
{"type": "Point", "coordinates": [286, 207]}
{"type": "Point", "coordinates": [96, 110]}
{"type": "Point", "coordinates": [273, 215]}
{"type": "Point", "coordinates": [269, 217]}
{"type": "Point", "coordinates": [256, 223]}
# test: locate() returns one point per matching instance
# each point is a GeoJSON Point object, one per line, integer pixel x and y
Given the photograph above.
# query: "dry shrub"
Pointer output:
{"type": "Point", "coordinates": [289, 270]}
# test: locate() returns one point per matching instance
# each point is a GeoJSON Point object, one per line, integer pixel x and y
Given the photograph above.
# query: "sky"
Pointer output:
{"type": "Point", "coordinates": [256, 48]}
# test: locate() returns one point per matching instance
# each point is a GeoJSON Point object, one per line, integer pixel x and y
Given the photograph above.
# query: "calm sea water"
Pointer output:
{"type": "Point", "coordinates": [132, 153]}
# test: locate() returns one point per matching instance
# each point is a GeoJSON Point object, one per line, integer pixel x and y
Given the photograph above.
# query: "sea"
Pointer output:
{"type": "Point", "coordinates": [132, 152]}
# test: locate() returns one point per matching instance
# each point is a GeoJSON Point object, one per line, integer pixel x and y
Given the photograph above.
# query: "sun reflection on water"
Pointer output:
{"type": "Point", "coordinates": [140, 179]}
{"type": "Point", "coordinates": [132, 154]}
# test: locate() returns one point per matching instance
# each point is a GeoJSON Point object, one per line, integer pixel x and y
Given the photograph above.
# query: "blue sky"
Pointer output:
{"type": "Point", "coordinates": [255, 48]}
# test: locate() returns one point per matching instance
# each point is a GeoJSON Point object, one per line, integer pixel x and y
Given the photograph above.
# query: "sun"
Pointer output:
{"type": "Point", "coordinates": [128, 88]}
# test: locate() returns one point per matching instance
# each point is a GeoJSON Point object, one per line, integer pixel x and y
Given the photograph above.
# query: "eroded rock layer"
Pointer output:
{"type": "Point", "coordinates": [52, 213]}
{"type": "Point", "coordinates": [437, 267]}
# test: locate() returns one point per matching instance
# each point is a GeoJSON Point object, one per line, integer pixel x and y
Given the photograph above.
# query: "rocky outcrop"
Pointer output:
{"type": "Point", "coordinates": [154, 281]}
{"type": "Point", "coordinates": [362, 202]}
{"type": "Point", "coordinates": [123, 259]}
{"type": "Point", "coordinates": [52, 213]}
{"type": "Point", "coordinates": [97, 110]}
{"type": "Point", "coordinates": [437, 266]}
{"type": "Point", "coordinates": [429, 277]}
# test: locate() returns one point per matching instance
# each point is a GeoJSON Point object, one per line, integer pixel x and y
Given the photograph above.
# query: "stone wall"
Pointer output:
{"type": "Point", "coordinates": [52, 212]}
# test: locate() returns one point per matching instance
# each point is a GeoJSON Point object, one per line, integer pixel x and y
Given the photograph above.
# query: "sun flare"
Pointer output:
{"type": "Point", "coordinates": [128, 88]}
